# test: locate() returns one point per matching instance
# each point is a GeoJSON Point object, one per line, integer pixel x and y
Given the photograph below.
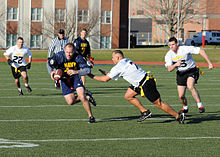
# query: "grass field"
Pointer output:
{"type": "Point", "coordinates": [41, 124]}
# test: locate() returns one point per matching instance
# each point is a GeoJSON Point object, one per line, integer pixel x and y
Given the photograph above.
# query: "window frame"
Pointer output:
{"type": "Point", "coordinates": [106, 16]}
{"type": "Point", "coordinates": [83, 16]}
{"type": "Point", "coordinates": [104, 44]}
{"type": "Point", "coordinates": [60, 15]}
{"type": "Point", "coordinates": [35, 14]}
{"type": "Point", "coordinates": [12, 41]}
{"type": "Point", "coordinates": [34, 42]}
{"type": "Point", "coordinates": [10, 13]}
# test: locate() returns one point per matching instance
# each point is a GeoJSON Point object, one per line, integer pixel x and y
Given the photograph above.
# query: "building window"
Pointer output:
{"type": "Point", "coordinates": [59, 15]}
{"type": "Point", "coordinates": [36, 41]}
{"type": "Point", "coordinates": [36, 14]}
{"type": "Point", "coordinates": [83, 16]}
{"type": "Point", "coordinates": [11, 40]}
{"type": "Point", "coordinates": [12, 13]}
{"type": "Point", "coordinates": [106, 17]}
{"type": "Point", "coordinates": [105, 42]}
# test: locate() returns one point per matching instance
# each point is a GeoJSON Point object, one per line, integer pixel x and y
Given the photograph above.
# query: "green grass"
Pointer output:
{"type": "Point", "coordinates": [145, 54]}
{"type": "Point", "coordinates": [44, 119]}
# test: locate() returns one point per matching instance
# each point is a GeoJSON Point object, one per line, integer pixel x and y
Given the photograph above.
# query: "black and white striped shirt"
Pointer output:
{"type": "Point", "coordinates": [57, 45]}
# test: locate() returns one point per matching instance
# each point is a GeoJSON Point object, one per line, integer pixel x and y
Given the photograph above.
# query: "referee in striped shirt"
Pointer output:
{"type": "Point", "coordinates": [58, 44]}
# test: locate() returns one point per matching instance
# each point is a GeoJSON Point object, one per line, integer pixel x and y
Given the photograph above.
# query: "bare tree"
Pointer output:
{"type": "Point", "coordinates": [2, 20]}
{"type": "Point", "coordinates": [165, 13]}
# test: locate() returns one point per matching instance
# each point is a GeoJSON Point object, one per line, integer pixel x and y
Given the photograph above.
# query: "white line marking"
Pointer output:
{"type": "Point", "coordinates": [15, 144]}
{"type": "Point", "coordinates": [99, 95]}
{"type": "Point", "coordinates": [120, 139]}
{"type": "Point", "coordinates": [79, 105]}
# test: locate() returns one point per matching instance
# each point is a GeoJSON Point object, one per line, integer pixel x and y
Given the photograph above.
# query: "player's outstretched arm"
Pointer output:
{"type": "Point", "coordinates": [103, 72]}
{"type": "Point", "coordinates": [104, 78]}
{"type": "Point", "coordinates": [206, 57]}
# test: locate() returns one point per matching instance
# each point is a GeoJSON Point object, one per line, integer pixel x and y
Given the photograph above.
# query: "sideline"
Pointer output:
{"type": "Point", "coordinates": [110, 62]}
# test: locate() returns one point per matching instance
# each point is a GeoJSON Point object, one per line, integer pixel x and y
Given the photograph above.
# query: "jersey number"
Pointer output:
{"type": "Point", "coordinates": [134, 64]}
{"type": "Point", "coordinates": [17, 59]}
{"type": "Point", "coordinates": [183, 63]}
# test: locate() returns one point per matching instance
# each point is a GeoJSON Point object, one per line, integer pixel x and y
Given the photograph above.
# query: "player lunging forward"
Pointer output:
{"type": "Point", "coordinates": [141, 83]}
{"type": "Point", "coordinates": [15, 56]}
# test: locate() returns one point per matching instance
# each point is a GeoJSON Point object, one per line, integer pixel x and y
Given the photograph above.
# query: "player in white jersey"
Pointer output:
{"type": "Point", "coordinates": [180, 58]}
{"type": "Point", "coordinates": [141, 83]}
{"type": "Point", "coordinates": [15, 56]}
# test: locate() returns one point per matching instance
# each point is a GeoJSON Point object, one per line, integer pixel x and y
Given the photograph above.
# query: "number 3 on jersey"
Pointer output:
{"type": "Point", "coordinates": [17, 59]}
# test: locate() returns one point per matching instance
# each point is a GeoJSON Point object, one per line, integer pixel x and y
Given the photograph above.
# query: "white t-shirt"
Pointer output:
{"type": "Point", "coordinates": [184, 54]}
{"type": "Point", "coordinates": [18, 55]}
{"type": "Point", "coordinates": [128, 70]}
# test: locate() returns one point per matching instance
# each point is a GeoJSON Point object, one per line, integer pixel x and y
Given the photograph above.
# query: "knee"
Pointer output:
{"type": "Point", "coordinates": [70, 102]}
{"type": "Point", "coordinates": [127, 97]}
{"type": "Point", "coordinates": [157, 103]}
{"type": "Point", "coordinates": [191, 88]}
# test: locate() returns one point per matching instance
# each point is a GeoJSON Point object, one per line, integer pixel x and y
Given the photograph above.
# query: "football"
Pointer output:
{"type": "Point", "coordinates": [58, 74]}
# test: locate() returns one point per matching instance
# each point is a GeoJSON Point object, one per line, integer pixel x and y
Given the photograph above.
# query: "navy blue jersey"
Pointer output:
{"type": "Point", "coordinates": [59, 61]}
{"type": "Point", "coordinates": [82, 46]}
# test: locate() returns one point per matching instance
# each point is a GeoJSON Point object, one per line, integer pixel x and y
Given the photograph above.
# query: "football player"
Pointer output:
{"type": "Point", "coordinates": [73, 66]}
{"type": "Point", "coordinates": [141, 83]}
{"type": "Point", "coordinates": [180, 58]}
{"type": "Point", "coordinates": [15, 56]}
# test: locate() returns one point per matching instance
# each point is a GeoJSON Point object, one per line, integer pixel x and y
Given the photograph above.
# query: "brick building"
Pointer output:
{"type": "Point", "coordinates": [206, 16]}
{"type": "Point", "coordinates": [37, 21]}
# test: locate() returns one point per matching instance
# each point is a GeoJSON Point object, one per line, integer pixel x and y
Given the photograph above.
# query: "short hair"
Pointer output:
{"type": "Point", "coordinates": [173, 39]}
{"type": "Point", "coordinates": [69, 45]}
{"type": "Point", "coordinates": [118, 52]}
{"type": "Point", "coordinates": [20, 38]}
{"type": "Point", "coordinates": [84, 29]}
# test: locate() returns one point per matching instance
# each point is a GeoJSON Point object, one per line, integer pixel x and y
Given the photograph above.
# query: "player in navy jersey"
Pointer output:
{"type": "Point", "coordinates": [141, 83]}
{"type": "Point", "coordinates": [73, 66]}
{"type": "Point", "coordinates": [83, 48]}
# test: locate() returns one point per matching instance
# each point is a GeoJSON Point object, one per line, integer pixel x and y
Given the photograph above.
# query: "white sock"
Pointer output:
{"type": "Point", "coordinates": [199, 104]}
{"type": "Point", "coordinates": [26, 85]}
{"type": "Point", "coordinates": [19, 89]}
{"type": "Point", "coordinates": [185, 107]}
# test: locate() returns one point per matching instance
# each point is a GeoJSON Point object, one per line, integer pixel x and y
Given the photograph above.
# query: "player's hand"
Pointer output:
{"type": "Point", "coordinates": [178, 63]}
{"type": "Point", "coordinates": [103, 72]}
{"type": "Point", "coordinates": [72, 72]}
{"type": "Point", "coordinates": [52, 75]}
{"type": "Point", "coordinates": [10, 61]}
{"type": "Point", "coordinates": [211, 66]}
{"type": "Point", "coordinates": [28, 66]}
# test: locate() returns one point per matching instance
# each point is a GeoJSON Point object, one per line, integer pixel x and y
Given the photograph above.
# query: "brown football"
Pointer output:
{"type": "Point", "coordinates": [58, 74]}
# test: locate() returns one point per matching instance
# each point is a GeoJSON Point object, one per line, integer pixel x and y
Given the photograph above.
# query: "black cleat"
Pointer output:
{"type": "Point", "coordinates": [20, 92]}
{"type": "Point", "coordinates": [181, 117]}
{"type": "Point", "coordinates": [29, 89]}
{"type": "Point", "coordinates": [144, 115]}
{"type": "Point", "coordinates": [184, 110]}
{"type": "Point", "coordinates": [57, 84]}
{"type": "Point", "coordinates": [91, 120]}
{"type": "Point", "coordinates": [90, 98]}
{"type": "Point", "coordinates": [201, 109]}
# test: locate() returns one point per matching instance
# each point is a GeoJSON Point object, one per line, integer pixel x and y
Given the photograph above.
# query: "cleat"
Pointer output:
{"type": "Point", "coordinates": [144, 115]}
{"type": "Point", "coordinates": [201, 109]}
{"type": "Point", "coordinates": [20, 93]}
{"type": "Point", "coordinates": [29, 89]}
{"type": "Point", "coordinates": [57, 84]}
{"type": "Point", "coordinates": [90, 98]}
{"type": "Point", "coordinates": [181, 117]}
{"type": "Point", "coordinates": [91, 120]}
{"type": "Point", "coordinates": [184, 110]}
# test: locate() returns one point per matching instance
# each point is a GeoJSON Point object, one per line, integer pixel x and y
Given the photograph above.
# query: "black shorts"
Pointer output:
{"type": "Point", "coordinates": [150, 90]}
{"type": "Point", "coordinates": [181, 78]}
{"type": "Point", "coordinates": [16, 72]}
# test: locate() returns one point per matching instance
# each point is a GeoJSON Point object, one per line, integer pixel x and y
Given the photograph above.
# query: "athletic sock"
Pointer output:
{"type": "Point", "coordinates": [26, 85]}
{"type": "Point", "coordinates": [19, 89]}
{"type": "Point", "coordinates": [199, 104]}
{"type": "Point", "coordinates": [185, 107]}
